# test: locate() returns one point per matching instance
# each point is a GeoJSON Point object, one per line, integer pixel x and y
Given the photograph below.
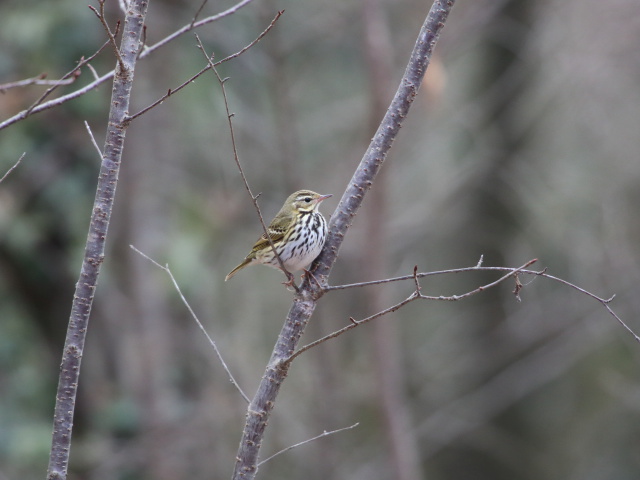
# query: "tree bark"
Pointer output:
{"type": "Point", "coordinates": [95, 246]}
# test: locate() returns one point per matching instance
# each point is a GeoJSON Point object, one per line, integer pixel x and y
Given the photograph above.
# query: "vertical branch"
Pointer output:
{"type": "Point", "coordinates": [306, 299]}
{"type": "Point", "coordinates": [94, 249]}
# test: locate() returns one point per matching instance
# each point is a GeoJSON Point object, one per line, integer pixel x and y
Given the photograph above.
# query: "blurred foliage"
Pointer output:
{"type": "Point", "coordinates": [522, 144]}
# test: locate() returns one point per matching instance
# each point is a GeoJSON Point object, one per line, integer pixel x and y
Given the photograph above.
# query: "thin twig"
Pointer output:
{"type": "Point", "coordinates": [195, 317]}
{"type": "Point", "coordinates": [37, 108]}
{"type": "Point", "coordinates": [69, 77]}
{"type": "Point", "coordinates": [39, 80]}
{"type": "Point", "coordinates": [353, 324]}
{"type": "Point", "coordinates": [93, 71]}
{"type": "Point", "coordinates": [208, 67]}
{"type": "Point", "coordinates": [12, 168]}
{"type": "Point", "coordinates": [190, 26]}
{"type": "Point", "coordinates": [414, 296]}
{"type": "Point", "coordinates": [511, 273]}
{"type": "Point", "coordinates": [93, 139]}
{"type": "Point", "coordinates": [195, 16]}
{"type": "Point", "coordinates": [254, 198]}
{"type": "Point", "coordinates": [323, 434]}
{"type": "Point", "coordinates": [112, 38]}
{"type": "Point", "coordinates": [476, 268]}
{"type": "Point", "coordinates": [542, 273]}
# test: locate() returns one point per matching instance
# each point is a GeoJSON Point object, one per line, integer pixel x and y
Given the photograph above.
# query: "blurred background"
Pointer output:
{"type": "Point", "coordinates": [523, 143]}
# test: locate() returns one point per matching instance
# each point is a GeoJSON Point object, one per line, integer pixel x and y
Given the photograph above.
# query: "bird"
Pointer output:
{"type": "Point", "coordinates": [298, 233]}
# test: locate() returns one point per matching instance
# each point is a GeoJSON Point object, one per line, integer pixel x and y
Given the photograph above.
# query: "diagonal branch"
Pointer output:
{"type": "Point", "coordinates": [291, 447]}
{"type": "Point", "coordinates": [209, 66]}
{"type": "Point", "coordinates": [12, 168]}
{"type": "Point", "coordinates": [198, 322]}
{"type": "Point", "coordinates": [305, 300]}
{"type": "Point", "coordinates": [99, 81]}
{"type": "Point", "coordinates": [66, 79]}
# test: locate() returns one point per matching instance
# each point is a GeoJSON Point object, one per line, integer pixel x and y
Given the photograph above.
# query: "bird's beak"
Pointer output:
{"type": "Point", "coordinates": [323, 197]}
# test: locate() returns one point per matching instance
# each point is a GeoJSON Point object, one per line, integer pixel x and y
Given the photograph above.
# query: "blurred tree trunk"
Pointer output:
{"type": "Point", "coordinates": [387, 355]}
{"type": "Point", "coordinates": [494, 212]}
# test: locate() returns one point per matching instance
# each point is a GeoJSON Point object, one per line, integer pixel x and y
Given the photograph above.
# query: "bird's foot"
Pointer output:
{"type": "Point", "coordinates": [290, 283]}
{"type": "Point", "coordinates": [311, 275]}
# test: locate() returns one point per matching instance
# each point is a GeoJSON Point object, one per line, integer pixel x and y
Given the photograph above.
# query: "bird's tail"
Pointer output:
{"type": "Point", "coordinates": [237, 269]}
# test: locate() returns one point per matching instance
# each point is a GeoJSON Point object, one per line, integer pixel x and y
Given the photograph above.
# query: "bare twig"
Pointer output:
{"type": "Point", "coordinates": [198, 322]}
{"type": "Point", "coordinates": [195, 16]}
{"type": "Point", "coordinates": [13, 168]}
{"type": "Point", "coordinates": [205, 69]}
{"type": "Point", "coordinates": [604, 301]}
{"type": "Point", "coordinates": [414, 296]}
{"type": "Point", "coordinates": [477, 268]}
{"type": "Point", "coordinates": [39, 80]}
{"type": "Point", "coordinates": [542, 273]}
{"type": "Point", "coordinates": [37, 108]}
{"type": "Point", "coordinates": [93, 139]}
{"type": "Point", "coordinates": [93, 71]}
{"type": "Point", "coordinates": [353, 324]}
{"type": "Point", "coordinates": [254, 198]}
{"type": "Point", "coordinates": [323, 434]}
{"type": "Point", "coordinates": [190, 26]}
{"type": "Point", "coordinates": [69, 77]}
{"type": "Point", "coordinates": [105, 25]}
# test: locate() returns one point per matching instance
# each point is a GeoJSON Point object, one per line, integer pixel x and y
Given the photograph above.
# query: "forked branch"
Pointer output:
{"type": "Point", "coordinates": [99, 80]}
{"type": "Point", "coordinates": [415, 295]}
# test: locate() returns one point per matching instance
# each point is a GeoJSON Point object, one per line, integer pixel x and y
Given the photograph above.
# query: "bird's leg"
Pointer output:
{"type": "Point", "coordinates": [290, 281]}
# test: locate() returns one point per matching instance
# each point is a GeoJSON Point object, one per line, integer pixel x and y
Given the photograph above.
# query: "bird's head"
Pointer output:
{"type": "Point", "coordinates": [305, 200]}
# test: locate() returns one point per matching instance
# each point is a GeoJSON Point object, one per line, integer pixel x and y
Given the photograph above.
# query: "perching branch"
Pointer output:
{"type": "Point", "coordinates": [305, 300]}
{"type": "Point", "coordinates": [95, 245]}
{"type": "Point", "coordinates": [198, 322]}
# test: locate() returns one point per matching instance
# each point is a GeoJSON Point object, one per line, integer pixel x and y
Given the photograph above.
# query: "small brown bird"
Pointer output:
{"type": "Point", "coordinates": [298, 233]}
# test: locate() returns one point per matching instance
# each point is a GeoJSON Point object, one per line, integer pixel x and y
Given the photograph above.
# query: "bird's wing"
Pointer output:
{"type": "Point", "coordinates": [277, 229]}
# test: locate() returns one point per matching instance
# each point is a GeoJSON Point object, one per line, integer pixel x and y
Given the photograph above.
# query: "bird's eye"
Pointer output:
{"type": "Point", "coordinates": [307, 199]}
